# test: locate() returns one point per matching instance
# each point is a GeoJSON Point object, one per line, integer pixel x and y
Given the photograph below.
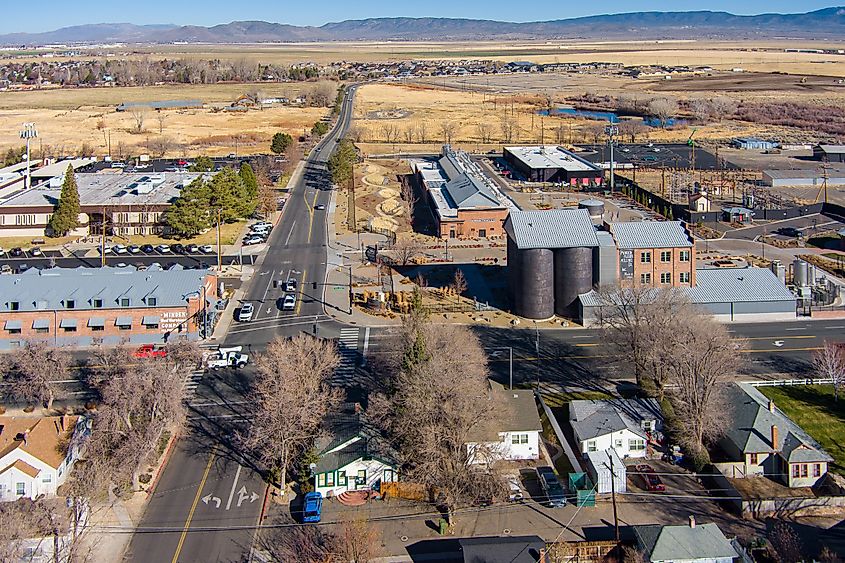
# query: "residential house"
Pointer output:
{"type": "Point", "coordinates": [624, 425]}
{"type": "Point", "coordinates": [762, 440]}
{"type": "Point", "coordinates": [702, 543]}
{"type": "Point", "coordinates": [37, 454]}
{"type": "Point", "coordinates": [513, 435]}
{"type": "Point", "coordinates": [353, 456]}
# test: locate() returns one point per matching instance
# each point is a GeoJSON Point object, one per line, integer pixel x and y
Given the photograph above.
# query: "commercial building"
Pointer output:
{"type": "Point", "coordinates": [78, 307]}
{"type": "Point", "coordinates": [753, 144]}
{"type": "Point", "coordinates": [129, 204]}
{"type": "Point", "coordinates": [829, 153]}
{"type": "Point", "coordinates": [550, 163]}
{"type": "Point", "coordinates": [466, 203]}
{"type": "Point", "coordinates": [658, 253]}
{"type": "Point", "coordinates": [37, 454]}
{"type": "Point", "coordinates": [812, 177]}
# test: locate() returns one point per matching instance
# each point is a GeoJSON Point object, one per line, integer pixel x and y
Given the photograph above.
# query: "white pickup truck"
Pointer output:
{"type": "Point", "coordinates": [227, 358]}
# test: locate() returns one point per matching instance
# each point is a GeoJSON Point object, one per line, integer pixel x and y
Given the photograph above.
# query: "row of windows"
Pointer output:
{"type": "Point", "coordinates": [802, 469]}
{"type": "Point", "coordinates": [665, 278]}
{"type": "Point", "coordinates": [519, 438]}
{"type": "Point", "coordinates": [95, 303]}
{"type": "Point", "coordinates": [665, 256]}
{"type": "Point", "coordinates": [634, 445]}
{"type": "Point", "coordinates": [71, 329]}
{"type": "Point", "coordinates": [342, 480]}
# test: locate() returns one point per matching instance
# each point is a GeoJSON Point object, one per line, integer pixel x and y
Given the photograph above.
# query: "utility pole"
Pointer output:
{"type": "Point", "coordinates": [350, 290]}
{"type": "Point", "coordinates": [613, 497]}
{"type": "Point", "coordinates": [219, 253]}
{"type": "Point", "coordinates": [611, 131]}
{"type": "Point", "coordinates": [28, 133]}
{"type": "Point", "coordinates": [510, 362]}
{"type": "Point", "coordinates": [103, 240]}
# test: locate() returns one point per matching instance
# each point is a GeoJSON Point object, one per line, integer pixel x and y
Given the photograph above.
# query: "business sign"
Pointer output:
{"type": "Point", "coordinates": [626, 264]}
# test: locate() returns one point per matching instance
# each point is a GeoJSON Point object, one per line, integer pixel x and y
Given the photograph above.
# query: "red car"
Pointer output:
{"type": "Point", "coordinates": [650, 479]}
{"type": "Point", "coordinates": [150, 351]}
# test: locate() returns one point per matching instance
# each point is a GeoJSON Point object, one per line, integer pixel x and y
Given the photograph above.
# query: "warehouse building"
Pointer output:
{"type": "Point", "coordinates": [813, 177]}
{"type": "Point", "coordinates": [466, 203]}
{"type": "Point", "coordinates": [659, 253]}
{"type": "Point", "coordinates": [829, 153]}
{"type": "Point", "coordinates": [76, 307]}
{"type": "Point", "coordinates": [753, 144]}
{"type": "Point", "coordinates": [129, 204]}
{"type": "Point", "coordinates": [550, 163]}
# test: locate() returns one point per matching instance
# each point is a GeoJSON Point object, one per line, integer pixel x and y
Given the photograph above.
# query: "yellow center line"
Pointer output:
{"type": "Point", "coordinates": [311, 216]}
{"type": "Point", "coordinates": [773, 338]}
{"type": "Point", "coordinates": [301, 293]}
{"type": "Point", "coordinates": [193, 508]}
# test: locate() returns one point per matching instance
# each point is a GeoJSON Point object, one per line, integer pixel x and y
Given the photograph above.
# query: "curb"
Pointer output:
{"type": "Point", "coordinates": [165, 459]}
{"type": "Point", "coordinates": [259, 523]}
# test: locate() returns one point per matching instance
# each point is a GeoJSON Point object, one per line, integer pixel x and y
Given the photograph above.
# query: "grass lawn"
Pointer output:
{"type": "Point", "coordinates": [229, 234]}
{"type": "Point", "coordinates": [555, 400]}
{"type": "Point", "coordinates": [812, 407]}
{"type": "Point", "coordinates": [7, 243]}
{"type": "Point", "coordinates": [562, 465]}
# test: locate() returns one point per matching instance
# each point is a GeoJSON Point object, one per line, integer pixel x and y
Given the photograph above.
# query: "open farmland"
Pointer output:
{"type": "Point", "coordinates": [68, 118]}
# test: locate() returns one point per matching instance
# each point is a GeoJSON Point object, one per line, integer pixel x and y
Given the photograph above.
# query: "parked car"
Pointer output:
{"type": "Point", "coordinates": [227, 358]}
{"type": "Point", "coordinates": [150, 351]}
{"type": "Point", "coordinates": [790, 232]}
{"type": "Point", "coordinates": [163, 249]}
{"type": "Point", "coordinates": [312, 508]}
{"type": "Point", "coordinates": [555, 495]}
{"type": "Point", "coordinates": [515, 492]}
{"type": "Point", "coordinates": [35, 251]}
{"type": "Point", "coordinates": [289, 302]}
{"type": "Point", "coordinates": [651, 481]}
{"type": "Point", "coordinates": [192, 248]}
{"type": "Point", "coordinates": [16, 252]}
{"type": "Point", "coordinates": [207, 248]}
{"type": "Point", "coordinates": [147, 248]}
{"type": "Point", "coordinates": [320, 207]}
{"type": "Point", "coordinates": [119, 249]}
{"type": "Point", "coordinates": [252, 240]}
{"type": "Point", "coordinates": [246, 312]}
{"type": "Point", "coordinates": [2, 252]}
{"type": "Point", "coordinates": [178, 248]}
{"type": "Point", "coordinates": [134, 249]}
{"type": "Point", "coordinates": [5, 269]}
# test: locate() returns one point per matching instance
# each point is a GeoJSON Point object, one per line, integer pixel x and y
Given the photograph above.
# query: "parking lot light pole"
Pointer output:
{"type": "Point", "coordinates": [611, 131]}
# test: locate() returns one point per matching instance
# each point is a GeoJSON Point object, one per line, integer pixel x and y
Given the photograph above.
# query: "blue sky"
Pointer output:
{"type": "Point", "coordinates": [45, 15]}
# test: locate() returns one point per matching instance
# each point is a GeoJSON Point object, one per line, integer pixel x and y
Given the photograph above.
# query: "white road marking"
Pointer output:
{"type": "Point", "coordinates": [287, 240]}
{"type": "Point", "coordinates": [801, 328]}
{"type": "Point", "coordinates": [269, 283]}
{"type": "Point", "coordinates": [234, 486]}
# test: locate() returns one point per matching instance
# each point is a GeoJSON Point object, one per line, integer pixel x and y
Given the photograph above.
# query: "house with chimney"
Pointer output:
{"type": "Point", "coordinates": [761, 441]}
{"type": "Point", "coordinates": [37, 454]}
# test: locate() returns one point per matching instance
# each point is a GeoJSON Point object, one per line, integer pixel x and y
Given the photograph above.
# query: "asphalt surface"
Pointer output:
{"type": "Point", "coordinates": [208, 500]}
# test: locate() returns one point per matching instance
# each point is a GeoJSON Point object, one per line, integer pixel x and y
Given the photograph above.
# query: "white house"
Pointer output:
{"type": "Point", "coordinates": [353, 457]}
{"type": "Point", "coordinates": [514, 436]}
{"type": "Point", "coordinates": [37, 454]}
{"type": "Point", "coordinates": [625, 425]}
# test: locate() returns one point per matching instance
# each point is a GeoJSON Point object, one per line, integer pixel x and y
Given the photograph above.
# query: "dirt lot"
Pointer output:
{"type": "Point", "coordinates": [378, 202]}
{"type": "Point", "coordinates": [68, 118]}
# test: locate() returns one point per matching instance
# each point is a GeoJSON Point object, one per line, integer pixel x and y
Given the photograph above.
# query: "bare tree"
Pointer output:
{"type": "Point", "coordinates": [663, 109]}
{"type": "Point", "coordinates": [723, 107]}
{"type": "Point", "coordinates": [632, 129]}
{"type": "Point", "coordinates": [391, 132]}
{"type": "Point", "coordinates": [786, 542]}
{"type": "Point", "coordinates": [357, 541]}
{"type": "Point", "coordinates": [829, 363]}
{"type": "Point", "coordinates": [437, 401]}
{"type": "Point", "coordinates": [509, 128]}
{"type": "Point", "coordinates": [308, 544]}
{"type": "Point", "coordinates": [160, 146]}
{"type": "Point", "coordinates": [485, 131]}
{"type": "Point", "coordinates": [408, 133]}
{"type": "Point", "coordinates": [161, 117]}
{"type": "Point", "coordinates": [356, 133]}
{"type": "Point", "coordinates": [422, 131]}
{"type": "Point", "coordinates": [405, 249]}
{"type": "Point", "coordinates": [560, 133]}
{"type": "Point", "coordinates": [293, 394]}
{"type": "Point", "coordinates": [447, 131]}
{"type": "Point", "coordinates": [33, 372]}
{"type": "Point", "coordinates": [322, 94]}
{"type": "Point", "coordinates": [701, 109]}
{"type": "Point", "coordinates": [595, 131]}
{"type": "Point", "coordinates": [409, 198]}
{"type": "Point", "coordinates": [139, 116]}
{"type": "Point", "coordinates": [267, 203]}
{"type": "Point", "coordinates": [459, 282]}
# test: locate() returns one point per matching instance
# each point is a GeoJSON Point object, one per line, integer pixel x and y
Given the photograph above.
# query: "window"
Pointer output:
{"type": "Point", "coordinates": [321, 480]}
{"type": "Point", "coordinates": [70, 304]}
{"type": "Point", "coordinates": [152, 301]}
{"type": "Point", "coordinates": [69, 329]}
{"type": "Point", "coordinates": [645, 257]}
{"type": "Point", "coordinates": [330, 479]}
{"type": "Point", "coordinates": [124, 302]}
{"type": "Point", "coordinates": [98, 328]}
{"type": "Point", "coordinates": [519, 438]}
{"type": "Point", "coordinates": [42, 331]}
{"type": "Point", "coordinates": [645, 279]}
{"type": "Point", "coordinates": [591, 446]}
{"type": "Point", "coordinates": [636, 445]}
{"type": "Point", "coordinates": [683, 256]}
{"type": "Point", "coordinates": [803, 470]}
{"type": "Point", "coordinates": [796, 470]}
{"type": "Point", "coordinates": [752, 459]}
{"type": "Point", "coordinates": [683, 277]}
{"type": "Point", "coordinates": [47, 478]}
{"type": "Point", "coordinates": [647, 425]}
{"type": "Point", "coordinates": [361, 478]}
{"type": "Point", "coordinates": [666, 277]}
{"type": "Point", "coordinates": [124, 327]}
{"type": "Point", "coordinates": [98, 303]}
{"type": "Point", "coordinates": [20, 488]}
{"type": "Point", "coordinates": [14, 305]}
{"type": "Point", "coordinates": [617, 443]}
{"type": "Point", "coordinates": [389, 476]}
{"type": "Point", "coordinates": [817, 470]}
{"type": "Point", "coordinates": [14, 330]}
{"type": "Point", "coordinates": [482, 233]}
{"type": "Point", "coordinates": [152, 326]}
{"type": "Point", "coordinates": [666, 256]}
{"type": "Point", "coordinates": [341, 478]}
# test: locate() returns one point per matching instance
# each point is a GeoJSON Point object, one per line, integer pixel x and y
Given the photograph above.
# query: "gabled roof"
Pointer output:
{"type": "Point", "coordinates": [593, 418]}
{"type": "Point", "coordinates": [651, 234]}
{"type": "Point", "coordinates": [750, 427]}
{"type": "Point", "coordinates": [43, 436]}
{"type": "Point", "coordinates": [23, 467]}
{"type": "Point", "coordinates": [347, 439]}
{"type": "Point", "coordinates": [737, 285]}
{"type": "Point", "coordinates": [684, 543]}
{"type": "Point", "coordinates": [518, 413]}
{"type": "Point", "coordinates": [464, 191]}
{"type": "Point", "coordinates": [558, 228]}
{"type": "Point", "coordinates": [508, 549]}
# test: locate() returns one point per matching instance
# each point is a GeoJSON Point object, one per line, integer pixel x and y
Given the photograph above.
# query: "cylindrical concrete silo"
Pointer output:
{"type": "Point", "coordinates": [535, 294]}
{"type": "Point", "coordinates": [573, 276]}
{"type": "Point", "coordinates": [514, 274]}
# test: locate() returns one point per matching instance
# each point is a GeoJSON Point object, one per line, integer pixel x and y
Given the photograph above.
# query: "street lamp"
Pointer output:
{"type": "Point", "coordinates": [611, 131]}
{"type": "Point", "coordinates": [28, 133]}
{"type": "Point", "coordinates": [510, 361]}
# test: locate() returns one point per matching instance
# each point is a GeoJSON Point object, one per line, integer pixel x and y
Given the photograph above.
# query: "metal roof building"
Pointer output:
{"type": "Point", "coordinates": [803, 177]}
{"type": "Point", "coordinates": [693, 543]}
{"type": "Point", "coordinates": [557, 228]}
{"type": "Point", "coordinates": [651, 234]}
{"type": "Point", "coordinates": [551, 163]}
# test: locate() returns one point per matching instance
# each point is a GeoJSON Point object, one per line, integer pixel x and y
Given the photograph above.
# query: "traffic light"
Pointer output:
{"type": "Point", "coordinates": [315, 285]}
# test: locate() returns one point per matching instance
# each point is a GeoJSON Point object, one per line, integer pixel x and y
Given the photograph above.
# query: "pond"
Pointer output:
{"type": "Point", "coordinates": [587, 114]}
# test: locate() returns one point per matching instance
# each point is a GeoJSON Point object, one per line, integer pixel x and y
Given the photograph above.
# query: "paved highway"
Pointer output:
{"type": "Point", "coordinates": [209, 498]}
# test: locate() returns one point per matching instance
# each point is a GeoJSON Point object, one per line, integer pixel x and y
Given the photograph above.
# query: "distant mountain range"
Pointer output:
{"type": "Point", "coordinates": [827, 23]}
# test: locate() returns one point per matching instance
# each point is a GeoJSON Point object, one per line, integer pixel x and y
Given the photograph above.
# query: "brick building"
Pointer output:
{"type": "Point", "coordinates": [654, 253]}
{"type": "Point", "coordinates": [76, 307]}
{"type": "Point", "coordinates": [466, 203]}
{"type": "Point", "coordinates": [129, 204]}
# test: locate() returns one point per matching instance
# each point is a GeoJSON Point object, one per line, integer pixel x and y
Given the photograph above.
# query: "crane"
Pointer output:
{"type": "Point", "coordinates": [691, 144]}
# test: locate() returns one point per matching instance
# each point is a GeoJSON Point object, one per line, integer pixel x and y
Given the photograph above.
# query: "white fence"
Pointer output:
{"type": "Point", "coordinates": [790, 382]}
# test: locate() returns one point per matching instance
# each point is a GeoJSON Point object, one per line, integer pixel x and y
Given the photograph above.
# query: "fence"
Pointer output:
{"type": "Point", "coordinates": [791, 382]}
{"type": "Point", "coordinates": [391, 236]}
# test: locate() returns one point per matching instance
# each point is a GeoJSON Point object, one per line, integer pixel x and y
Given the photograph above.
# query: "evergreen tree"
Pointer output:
{"type": "Point", "coordinates": [248, 200]}
{"type": "Point", "coordinates": [224, 191]}
{"type": "Point", "coordinates": [281, 142]}
{"type": "Point", "coordinates": [202, 164]}
{"type": "Point", "coordinates": [189, 215]}
{"type": "Point", "coordinates": [66, 216]}
{"type": "Point", "coordinates": [320, 128]}
{"type": "Point", "coordinates": [341, 161]}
